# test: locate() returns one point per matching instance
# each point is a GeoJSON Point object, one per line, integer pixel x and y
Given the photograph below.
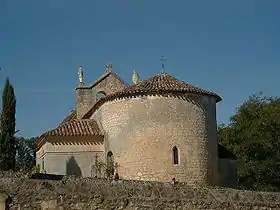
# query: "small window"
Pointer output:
{"type": "Point", "coordinates": [175, 156]}
{"type": "Point", "coordinates": [110, 157]}
{"type": "Point", "coordinates": [110, 163]}
{"type": "Point", "coordinates": [43, 164]}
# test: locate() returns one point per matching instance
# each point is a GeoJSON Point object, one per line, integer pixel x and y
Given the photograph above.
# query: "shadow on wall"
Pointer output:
{"type": "Point", "coordinates": [72, 167]}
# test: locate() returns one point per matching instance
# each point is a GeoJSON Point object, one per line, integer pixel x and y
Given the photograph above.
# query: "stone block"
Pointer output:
{"type": "Point", "coordinates": [49, 205]}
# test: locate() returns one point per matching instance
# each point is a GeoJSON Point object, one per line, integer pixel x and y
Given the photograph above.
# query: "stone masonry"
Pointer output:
{"type": "Point", "coordinates": [76, 154]}
{"type": "Point", "coordinates": [86, 94]}
{"type": "Point", "coordinates": [72, 193]}
{"type": "Point", "coordinates": [142, 131]}
{"type": "Point", "coordinates": [159, 129]}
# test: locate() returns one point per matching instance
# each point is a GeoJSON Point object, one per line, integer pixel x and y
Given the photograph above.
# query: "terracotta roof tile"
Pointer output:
{"type": "Point", "coordinates": [86, 127]}
{"type": "Point", "coordinates": [161, 83]}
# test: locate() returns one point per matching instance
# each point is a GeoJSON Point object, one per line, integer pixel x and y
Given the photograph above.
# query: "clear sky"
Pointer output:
{"type": "Point", "coordinates": [229, 47]}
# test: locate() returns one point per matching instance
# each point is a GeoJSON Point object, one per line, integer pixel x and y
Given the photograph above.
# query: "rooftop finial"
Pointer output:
{"type": "Point", "coordinates": [162, 59]}
{"type": "Point", "coordinates": [81, 74]}
{"type": "Point", "coordinates": [109, 67]}
{"type": "Point", "coordinates": [135, 77]}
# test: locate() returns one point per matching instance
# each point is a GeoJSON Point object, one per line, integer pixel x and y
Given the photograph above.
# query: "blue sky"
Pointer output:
{"type": "Point", "coordinates": [229, 47]}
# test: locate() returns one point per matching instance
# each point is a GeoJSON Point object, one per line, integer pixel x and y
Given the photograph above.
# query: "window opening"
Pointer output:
{"type": "Point", "coordinates": [100, 95]}
{"type": "Point", "coordinates": [175, 156]}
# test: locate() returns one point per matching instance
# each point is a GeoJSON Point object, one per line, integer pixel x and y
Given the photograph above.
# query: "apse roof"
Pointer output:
{"type": "Point", "coordinates": [161, 83]}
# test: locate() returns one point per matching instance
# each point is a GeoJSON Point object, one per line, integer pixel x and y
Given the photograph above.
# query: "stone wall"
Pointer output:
{"type": "Point", "coordinates": [141, 133]}
{"type": "Point", "coordinates": [228, 172]}
{"type": "Point", "coordinates": [72, 194]}
{"type": "Point", "coordinates": [84, 100]}
{"type": "Point", "coordinates": [110, 84]}
{"type": "Point", "coordinates": [86, 95]}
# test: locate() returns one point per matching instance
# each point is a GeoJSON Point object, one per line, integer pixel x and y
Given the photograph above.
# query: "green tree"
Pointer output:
{"type": "Point", "coordinates": [253, 134]}
{"type": "Point", "coordinates": [25, 153]}
{"type": "Point", "coordinates": [8, 123]}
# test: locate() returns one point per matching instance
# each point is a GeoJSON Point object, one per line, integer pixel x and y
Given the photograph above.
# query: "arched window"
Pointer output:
{"type": "Point", "coordinates": [100, 95]}
{"type": "Point", "coordinates": [175, 156]}
{"type": "Point", "coordinates": [110, 157]}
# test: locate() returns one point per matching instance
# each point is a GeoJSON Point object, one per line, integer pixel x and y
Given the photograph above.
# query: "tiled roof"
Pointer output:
{"type": "Point", "coordinates": [161, 83]}
{"type": "Point", "coordinates": [87, 127]}
{"type": "Point", "coordinates": [71, 116]}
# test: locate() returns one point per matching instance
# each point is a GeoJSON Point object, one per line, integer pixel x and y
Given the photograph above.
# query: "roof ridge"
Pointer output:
{"type": "Point", "coordinates": [74, 121]}
{"type": "Point", "coordinates": [158, 84]}
{"type": "Point", "coordinates": [81, 127]}
{"type": "Point", "coordinates": [69, 117]}
{"type": "Point", "coordinates": [103, 76]}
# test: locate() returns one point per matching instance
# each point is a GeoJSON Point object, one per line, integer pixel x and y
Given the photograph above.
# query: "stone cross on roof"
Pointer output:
{"type": "Point", "coordinates": [109, 67]}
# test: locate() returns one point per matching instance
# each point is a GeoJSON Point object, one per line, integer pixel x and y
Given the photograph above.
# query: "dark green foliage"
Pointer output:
{"type": "Point", "coordinates": [8, 123]}
{"type": "Point", "coordinates": [254, 136]}
{"type": "Point", "coordinates": [25, 153]}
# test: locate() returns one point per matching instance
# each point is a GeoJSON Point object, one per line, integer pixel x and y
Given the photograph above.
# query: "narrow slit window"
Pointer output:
{"type": "Point", "coordinates": [110, 163]}
{"type": "Point", "coordinates": [43, 164]}
{"type": "Point", "coordinates": [175, 156]}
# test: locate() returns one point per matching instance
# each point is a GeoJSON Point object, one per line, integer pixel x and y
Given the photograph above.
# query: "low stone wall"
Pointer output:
{"type": "Point", "coordinates": [72, 193]}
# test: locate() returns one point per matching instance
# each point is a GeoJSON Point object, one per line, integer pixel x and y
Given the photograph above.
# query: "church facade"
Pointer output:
{"type": "Point", "coordinates": [159, 129]}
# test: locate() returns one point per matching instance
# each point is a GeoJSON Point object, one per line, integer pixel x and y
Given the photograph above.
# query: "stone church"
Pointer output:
{"type": "Point", "coordinates": [159, 129]}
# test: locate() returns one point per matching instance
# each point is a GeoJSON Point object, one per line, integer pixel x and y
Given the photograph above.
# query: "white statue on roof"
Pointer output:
{"type": "Point", "coordinates": [135, 77]}
{"type": "Point", "coordinates": [81, 74]}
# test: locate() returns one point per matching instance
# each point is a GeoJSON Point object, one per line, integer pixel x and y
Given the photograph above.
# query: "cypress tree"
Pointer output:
{"type": "Point", "coordinates": [7, 125]}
